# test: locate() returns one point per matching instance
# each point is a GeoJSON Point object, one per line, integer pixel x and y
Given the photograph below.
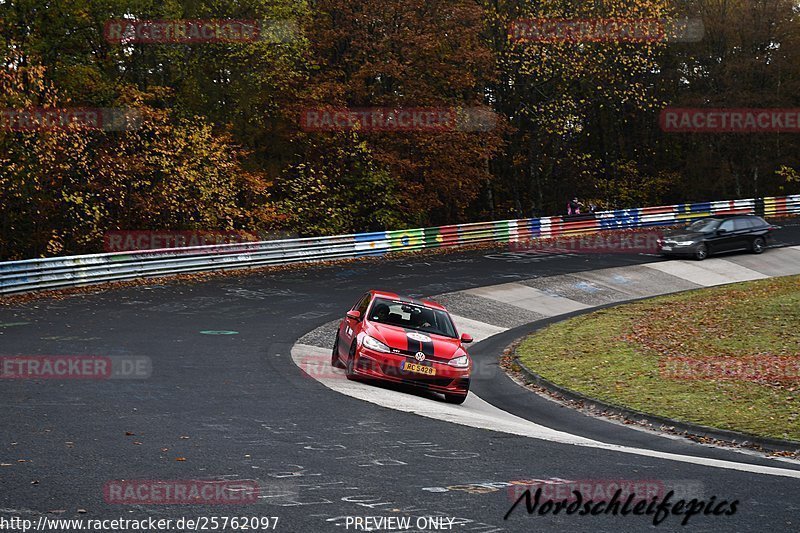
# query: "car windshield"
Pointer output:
{"type": "Point", "coordinates": [704, 225]}
{"type": "Point", "coordinates": [412, 316]}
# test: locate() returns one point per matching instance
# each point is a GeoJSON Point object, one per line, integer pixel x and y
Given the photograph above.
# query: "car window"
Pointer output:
{"type": "Point", "coordinates": [727, 225]}
{"type": "Point", "coordinates": [742, 224]}
{"type": "Point", "coordinates": [703, 225]}
{"type": "Point", "coordinates": [362, 304]}
{"type": "Point", "coordinates": [758, 222]}
{"type": "Point", "coordinates": [412, 316]}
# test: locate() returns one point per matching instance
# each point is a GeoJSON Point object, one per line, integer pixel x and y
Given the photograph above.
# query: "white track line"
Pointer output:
{"type": "Point", "coordinates": [478, 413]}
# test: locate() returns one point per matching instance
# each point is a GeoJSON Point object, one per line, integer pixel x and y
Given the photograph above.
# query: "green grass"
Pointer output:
{"type": "Point", "coordinates": [615, 355]}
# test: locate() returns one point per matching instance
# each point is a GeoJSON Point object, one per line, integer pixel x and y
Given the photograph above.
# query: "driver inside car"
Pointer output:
{"type": "Point", "coordinates": [421, 321]}
{"type": "Point", "coordinates": [380, 313]}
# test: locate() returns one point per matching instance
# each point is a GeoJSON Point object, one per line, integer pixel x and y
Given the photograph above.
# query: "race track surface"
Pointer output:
{"type": "Point", "coordinates": [225, 401]}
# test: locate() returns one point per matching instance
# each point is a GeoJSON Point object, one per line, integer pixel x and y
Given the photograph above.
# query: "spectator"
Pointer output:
{"type": "Point", "coordinates": [574, 207]}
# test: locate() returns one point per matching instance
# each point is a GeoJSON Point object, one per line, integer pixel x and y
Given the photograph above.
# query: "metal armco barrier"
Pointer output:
{"type": "Point", "coordinates": [80, 270]}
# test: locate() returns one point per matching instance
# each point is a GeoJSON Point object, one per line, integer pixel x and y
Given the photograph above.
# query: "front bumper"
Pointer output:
{"type": "Point", "coordinates": [389, 367]}
{"type": "Point", "coordinates": [676, 249]}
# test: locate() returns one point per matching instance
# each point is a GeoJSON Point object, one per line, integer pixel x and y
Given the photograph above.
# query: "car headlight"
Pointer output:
{"type": "Point", "coordinates": [459, 362]}
{"type": "Point", "coordinates": [684, 243]}
{"type": "Point", "coordinates": [374, 344]}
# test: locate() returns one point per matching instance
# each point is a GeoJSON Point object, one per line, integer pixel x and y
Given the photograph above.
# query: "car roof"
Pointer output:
{"type": "Point", "coordinates": [408, 299]}
{"type": "Point", "coordinates": [725, 217]}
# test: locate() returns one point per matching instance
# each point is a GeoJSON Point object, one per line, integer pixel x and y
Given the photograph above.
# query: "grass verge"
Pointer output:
{"type": "Point", "coordinates": [726, 357]}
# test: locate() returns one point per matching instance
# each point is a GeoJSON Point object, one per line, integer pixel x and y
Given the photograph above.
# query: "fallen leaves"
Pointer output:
{"type": "Point", "coordinates": [731, 325]}
{"type": "Point", "coordinates": [741, 367]}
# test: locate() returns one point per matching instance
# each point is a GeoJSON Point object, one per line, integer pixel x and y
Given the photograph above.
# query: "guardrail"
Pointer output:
{"type": "Point", "coordinates": [80, 270]}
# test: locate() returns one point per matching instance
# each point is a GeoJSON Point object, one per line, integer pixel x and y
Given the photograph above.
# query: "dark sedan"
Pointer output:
{"type": "Point", "coordinates": [717, 234]}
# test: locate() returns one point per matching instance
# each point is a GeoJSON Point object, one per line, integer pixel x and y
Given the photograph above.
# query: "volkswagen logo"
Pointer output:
{"type": "Point", "coordinates": [419, 356]}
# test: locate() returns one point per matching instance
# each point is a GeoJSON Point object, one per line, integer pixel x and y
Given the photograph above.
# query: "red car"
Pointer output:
{"type": "Point", "coordinates": [393, 338]}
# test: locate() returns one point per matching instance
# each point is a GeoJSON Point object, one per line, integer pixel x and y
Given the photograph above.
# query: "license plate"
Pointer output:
{"type": "Point", "coordinates": [419, 369]}
{"type": "Point", "coordinates": [666, 248]}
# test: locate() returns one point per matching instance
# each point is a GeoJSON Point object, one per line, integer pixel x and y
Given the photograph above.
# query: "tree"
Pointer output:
{"type": "Point", "coordinates": [405, 54]}
{"type": "Point", "coordinates": [62, 188]}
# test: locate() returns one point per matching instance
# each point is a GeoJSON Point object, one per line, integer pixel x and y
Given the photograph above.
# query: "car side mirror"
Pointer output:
{"type": "Point", "coordinates": [721, 231]}
{"type": "Point", "coordinates": [354, 315]}
{"type": "Point", "coordinates": [466, 338]}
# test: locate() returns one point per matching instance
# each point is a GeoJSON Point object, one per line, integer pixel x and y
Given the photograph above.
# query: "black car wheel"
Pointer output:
{"type": "Point", "coordinates": [457, 399]}
{"type": "Point", "coordinates": [349, 372]}
{"type": "Point", "coordinates": [335, 361]}
{"type": "Point", "coordinates": [758, 245]}
{"type": "Point", "coordinates": [701, 252]}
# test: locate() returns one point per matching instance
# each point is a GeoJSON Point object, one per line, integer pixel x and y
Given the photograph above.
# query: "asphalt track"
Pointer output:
{"type": "Point", "coordinates": [235, 406]}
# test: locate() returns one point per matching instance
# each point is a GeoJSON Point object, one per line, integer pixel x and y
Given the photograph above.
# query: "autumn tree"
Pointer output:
{"type": "Point", "coordinates": [748, 58]}
{"type": "Point", "coordinates": [570, 101]}
{"type": "Point", "coordinates": [403, 54]}
{"type": "Point", "coordinates": [62, 188]}
{"type": "Point", "coordinates": [220, 144]}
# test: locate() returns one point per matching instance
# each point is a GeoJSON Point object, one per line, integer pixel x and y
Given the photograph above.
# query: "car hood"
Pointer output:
{"type": "Point", "coordinates": [683, 235]}
{"type": "Point", "coordinates": [409, 341]}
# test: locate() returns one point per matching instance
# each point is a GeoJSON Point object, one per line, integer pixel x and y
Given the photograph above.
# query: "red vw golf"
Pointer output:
{"type": "Point", "coordinates": [403, 340]}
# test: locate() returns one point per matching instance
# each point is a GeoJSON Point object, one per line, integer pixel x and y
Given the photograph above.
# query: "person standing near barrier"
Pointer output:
{"type": "Point", "coordinates": [574, 207]}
